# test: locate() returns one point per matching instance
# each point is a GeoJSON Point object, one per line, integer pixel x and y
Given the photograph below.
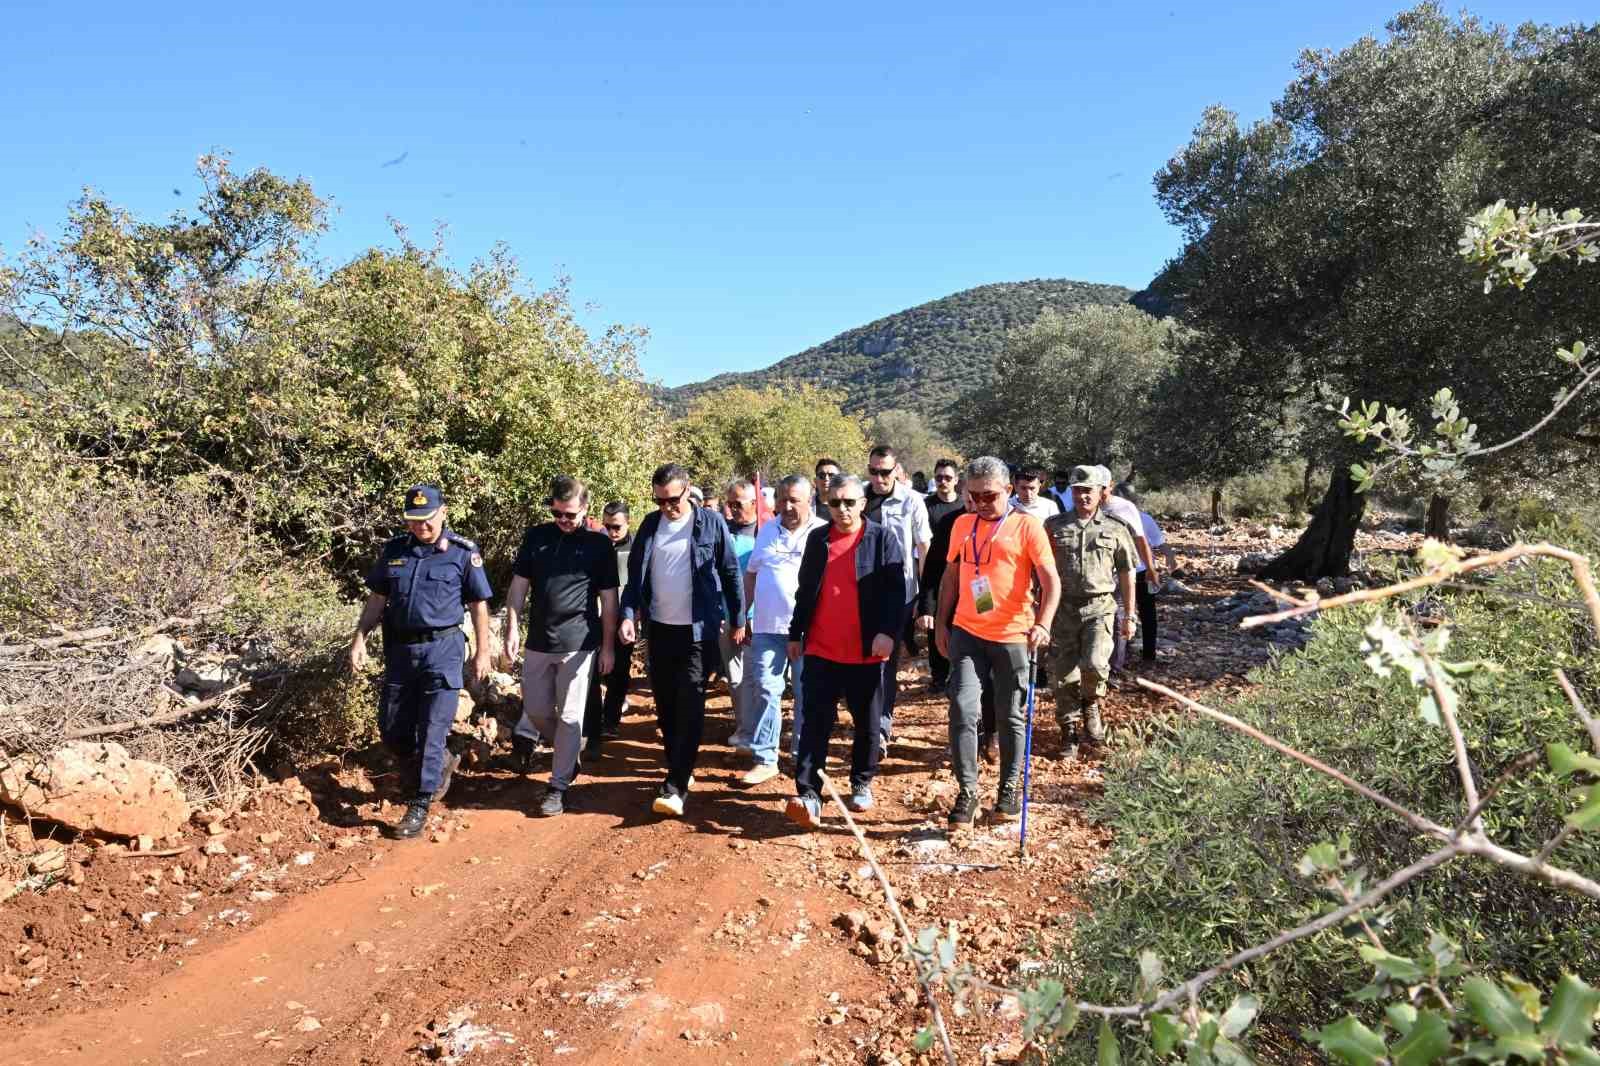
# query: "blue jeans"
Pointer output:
{"type": "Point", "coordinates": [761, 711]}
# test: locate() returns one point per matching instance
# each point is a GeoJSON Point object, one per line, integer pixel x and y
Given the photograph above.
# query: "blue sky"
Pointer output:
{"type": "Point", "coordinates": [743, 180]}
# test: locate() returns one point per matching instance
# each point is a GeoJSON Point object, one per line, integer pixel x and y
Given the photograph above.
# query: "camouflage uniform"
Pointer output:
{"type": "Point", "coordinates": [1090, 556]}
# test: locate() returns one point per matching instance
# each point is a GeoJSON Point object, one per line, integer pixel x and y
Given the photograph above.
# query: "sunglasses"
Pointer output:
{"type": "Point", "coordinates": [882, 471]}
{"type": "Point", "coordinates": [944, 477]}
{"type": "Point", "coordinates": [617, 529]}
{"type": "Point", "coordinates": [571, 516]}
{"type": "Point", "coordinates": [668, 501]}
{"type": "Point", "coordinates": [739, 505]}
{"type": "Point", "coordinates": [847, 502]}
{"type": "Point", "coordinates": [984, 497]}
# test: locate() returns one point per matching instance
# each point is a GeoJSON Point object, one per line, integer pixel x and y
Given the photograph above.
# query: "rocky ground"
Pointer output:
{"type": "Point", "coordinates": [291, 930]}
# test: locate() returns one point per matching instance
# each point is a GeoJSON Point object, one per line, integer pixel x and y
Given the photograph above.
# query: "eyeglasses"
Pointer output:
{"type": "Point", "coordinates": [944, 477]}
{"type": "Point", "coordinates": [847, 502]}
{"type": "Point", "coordinates": [882, 471]}
{"type": "Point", "coordinates": [668, 501]}
{"type": "Point", "coordinates": [570, 516]}
{"type": "Point", "coordinates": [739, 505]}
{"type": "Point", "coordinates": [984, 497]}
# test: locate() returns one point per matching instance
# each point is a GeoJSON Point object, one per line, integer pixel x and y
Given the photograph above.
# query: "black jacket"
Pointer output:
{"type": "Point", "coordinates": [880, 583]}
{"type": "Point", "coordinates": [933, 569]}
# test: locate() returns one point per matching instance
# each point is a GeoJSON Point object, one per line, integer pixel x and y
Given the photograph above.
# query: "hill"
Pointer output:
{"type": "Point", "coordinates": [921, 358]}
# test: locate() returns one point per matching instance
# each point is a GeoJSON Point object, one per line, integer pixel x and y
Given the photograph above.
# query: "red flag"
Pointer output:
{"type": "Point", "coordinates": [764, 513]}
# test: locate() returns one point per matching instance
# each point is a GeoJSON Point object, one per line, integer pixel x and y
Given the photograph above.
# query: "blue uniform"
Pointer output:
{"type": "Point", "coordinates": [424, 650]}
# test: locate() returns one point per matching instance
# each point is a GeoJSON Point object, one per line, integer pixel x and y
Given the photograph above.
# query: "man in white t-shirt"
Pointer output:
{"type": "Point", "coordinates": [1031, 497]}
{"type": "Point", "coordinates": [771, 579]}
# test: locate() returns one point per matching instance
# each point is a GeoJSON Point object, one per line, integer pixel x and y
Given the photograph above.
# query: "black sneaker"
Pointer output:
{"type": "Point", "coordinates": [413, 821]}
{"type": "Point", "coordinates": [522, 753]}
{"type": "Point", "coordinates": [965, 811]}
{"type": "Point", "coordinates": [1007, 807]}
{"type": "Point", "coordinates": [554, 802]}
{"type": "Point", "coordinates": [451, 762]}
{"type": "Point", "coordinates": [594, 747]}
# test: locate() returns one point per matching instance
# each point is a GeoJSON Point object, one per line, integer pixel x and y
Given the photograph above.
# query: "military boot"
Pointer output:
{"type": "Point", "coordinates": [1093, 727]}
{"type": "Point", "coordinates": [414, 820]}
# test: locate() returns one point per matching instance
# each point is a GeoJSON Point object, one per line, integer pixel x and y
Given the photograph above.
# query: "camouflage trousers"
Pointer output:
{"type": "Point", "coordinates": [1081, 643]}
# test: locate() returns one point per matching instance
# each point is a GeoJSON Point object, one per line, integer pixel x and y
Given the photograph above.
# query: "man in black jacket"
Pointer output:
{"type": "Point", "coordinates": [848, 611]}
{"type": "Point", "coordinates": [683, 576]}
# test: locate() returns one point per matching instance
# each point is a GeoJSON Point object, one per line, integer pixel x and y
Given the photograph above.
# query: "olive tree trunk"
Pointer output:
{"type": "Point", "coordinates": [1324, 549]}
{"type": "Point", "coordinates": [1438, 525]}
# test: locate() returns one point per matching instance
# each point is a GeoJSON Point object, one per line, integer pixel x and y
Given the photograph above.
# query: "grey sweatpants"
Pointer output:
{"type": "Point", "coordinates": [555, 691]}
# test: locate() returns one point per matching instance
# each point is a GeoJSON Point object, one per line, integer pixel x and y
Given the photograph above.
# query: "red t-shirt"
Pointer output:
{"type": "Point", "coordinates": [836, 625]}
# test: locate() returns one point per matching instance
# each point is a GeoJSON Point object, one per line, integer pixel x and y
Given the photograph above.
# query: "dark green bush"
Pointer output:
{"type": "Point", "coordinates": [1209, 825]}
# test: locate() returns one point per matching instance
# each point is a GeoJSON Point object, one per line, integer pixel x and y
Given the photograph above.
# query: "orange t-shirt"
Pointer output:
{"type": "Point", "coordinates": [1007, 552]}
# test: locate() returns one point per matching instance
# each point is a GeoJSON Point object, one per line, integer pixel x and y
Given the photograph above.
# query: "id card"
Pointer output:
{"type": "Point", "coordinates": [982, 595]}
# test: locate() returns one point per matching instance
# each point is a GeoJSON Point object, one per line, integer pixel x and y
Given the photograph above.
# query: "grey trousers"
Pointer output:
{"type": "Point", "coordinates": [555, 691]}
{"type": "Point", "coordinates": [972, 661]}
{"type": "Point", "coordinates": [733, 670]}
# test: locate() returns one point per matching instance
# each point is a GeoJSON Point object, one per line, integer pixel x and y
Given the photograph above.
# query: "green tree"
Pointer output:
{"type": "Point", "coordinates": [916, 442]}
{"type": "Point", "coordinates": [210, 345]}
{"type": "Point", "coordinates": [739, 432]}
{"type": "Point", "coordinates": [1068, 388]}
{"type": "Point", "coordinates": [1320, 240]}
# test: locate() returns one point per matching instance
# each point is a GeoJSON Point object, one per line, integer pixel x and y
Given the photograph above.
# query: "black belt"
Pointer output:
{"type": "Point", "coordinates": [421, 636]}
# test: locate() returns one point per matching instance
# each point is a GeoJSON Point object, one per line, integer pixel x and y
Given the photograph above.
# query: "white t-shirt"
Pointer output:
{"type": "Point", "coordinates": [1041, 508]}
{"type": "Point", "coordinates": [1117, 507]}
{"type": "Point", "coordinates": [775, 562]}
{"type": "Point", "coordinates": [1152, 533]}
{"type": "Point", "coordinates": [671, 577]}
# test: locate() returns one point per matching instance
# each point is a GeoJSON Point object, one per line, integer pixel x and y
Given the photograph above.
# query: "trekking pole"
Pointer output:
{"type": "Point", "coordinates": [1027, 758]}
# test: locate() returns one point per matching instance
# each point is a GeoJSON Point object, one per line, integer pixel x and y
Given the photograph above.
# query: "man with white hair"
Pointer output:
{"type": "Point", "coordinates": [989, 625]}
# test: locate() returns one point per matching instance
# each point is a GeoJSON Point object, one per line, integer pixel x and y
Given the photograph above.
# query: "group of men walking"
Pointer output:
{"type": "Point", "coordinates": [824, 595]}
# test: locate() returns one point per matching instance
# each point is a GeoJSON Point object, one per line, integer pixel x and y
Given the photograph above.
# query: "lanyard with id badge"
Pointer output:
{"type": "Point", "coordinates": [982, 593]}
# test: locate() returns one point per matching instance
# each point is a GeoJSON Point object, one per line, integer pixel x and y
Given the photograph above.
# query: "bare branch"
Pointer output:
{"type": "Point", "coordinates": [1581, 573]}
{"type": "Point", "coordinates": [894, 909]}
{"type": "Point", "coordinates": [1458, 743]}
{"type": "Point", "coordinates": [1588, 720]}
{"type": "Point", "coordinates": [1526, 864]}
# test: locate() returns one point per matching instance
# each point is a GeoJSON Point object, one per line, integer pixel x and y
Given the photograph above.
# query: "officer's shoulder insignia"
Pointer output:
{"type": "Point", "coordinates": [456, 538]}
{"type": "Point", "coordinates": [397, 562]}
{"type": "Point", "coordinates": [477, 560]}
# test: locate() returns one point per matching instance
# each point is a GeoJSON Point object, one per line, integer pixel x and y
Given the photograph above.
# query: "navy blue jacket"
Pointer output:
{"type": "Point", "coordinates": [717, 589]}
{"type": "Point", "coordinates": [880, 583]}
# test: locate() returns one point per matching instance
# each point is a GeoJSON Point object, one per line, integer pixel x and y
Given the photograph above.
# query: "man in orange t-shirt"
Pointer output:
{"type": "Point", "coordinates": [989, 624]}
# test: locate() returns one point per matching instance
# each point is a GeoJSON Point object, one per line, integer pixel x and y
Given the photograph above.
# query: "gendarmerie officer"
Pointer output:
{"type": "Point", "coordinates": [1094, 555]}
{"type": "Point", "coordinates": [420, 583]}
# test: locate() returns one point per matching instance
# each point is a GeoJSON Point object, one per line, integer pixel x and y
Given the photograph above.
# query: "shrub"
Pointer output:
{"type": "Point", "coordinates": [1209, 825]}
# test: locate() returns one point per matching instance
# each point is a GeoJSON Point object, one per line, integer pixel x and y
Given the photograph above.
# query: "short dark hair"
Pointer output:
{"type": "Point", "coordinates": [667, 473]}
{"type": "Point", "coordinates": [940, 464]}
{"type": "Point", "coordinates": [565, 487]}
{"type": "Point", "coordinates": [614, 508]}
{"type": "Point", "coordinates": [825, 461]}
{"type": "Point", "coordinates": [883, 451]}
{"type": "Point", "coordinates": [1031, 472]}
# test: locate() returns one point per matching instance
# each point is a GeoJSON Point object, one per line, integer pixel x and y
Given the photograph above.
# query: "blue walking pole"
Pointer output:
{"type": "Point", "coordinates": [1027, 758]}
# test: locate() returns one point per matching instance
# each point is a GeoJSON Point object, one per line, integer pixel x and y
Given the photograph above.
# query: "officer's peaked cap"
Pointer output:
{"type": "Point", "coordinates": [422, 502]}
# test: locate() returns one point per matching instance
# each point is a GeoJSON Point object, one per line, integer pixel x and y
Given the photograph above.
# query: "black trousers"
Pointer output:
{"type": "Point", "coordinates": [825, 682]}
{"type": "Point", "coordinates": [890, 681]}
{"type": "Point", "coordinates": [600, 714]}
{"type": "Point", "coordinates": [1145, 604]}
{"type": "Point", "coordinates": [679, 666]}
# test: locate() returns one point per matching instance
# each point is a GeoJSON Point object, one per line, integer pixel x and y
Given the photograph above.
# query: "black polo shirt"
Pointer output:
{"type": "Point", "coordinates": [568, 571]}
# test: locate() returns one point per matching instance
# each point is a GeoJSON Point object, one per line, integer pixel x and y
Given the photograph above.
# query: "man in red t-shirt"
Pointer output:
{"type": "Point", "coordinates": [848, 613]}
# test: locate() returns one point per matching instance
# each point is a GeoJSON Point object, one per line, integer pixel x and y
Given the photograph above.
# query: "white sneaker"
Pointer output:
{"type": "Point", "coordinates": [757, 774]}
{"type": "Point", "coordinates": [670, 804]}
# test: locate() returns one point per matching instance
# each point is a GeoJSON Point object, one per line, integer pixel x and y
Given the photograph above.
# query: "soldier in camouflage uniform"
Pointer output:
{"type": "Point", "coordinates": [1094, 556]}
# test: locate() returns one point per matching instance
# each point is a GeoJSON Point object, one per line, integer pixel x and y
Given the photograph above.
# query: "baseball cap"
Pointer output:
{"type": "Point", "coordinates": [422, 502]}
